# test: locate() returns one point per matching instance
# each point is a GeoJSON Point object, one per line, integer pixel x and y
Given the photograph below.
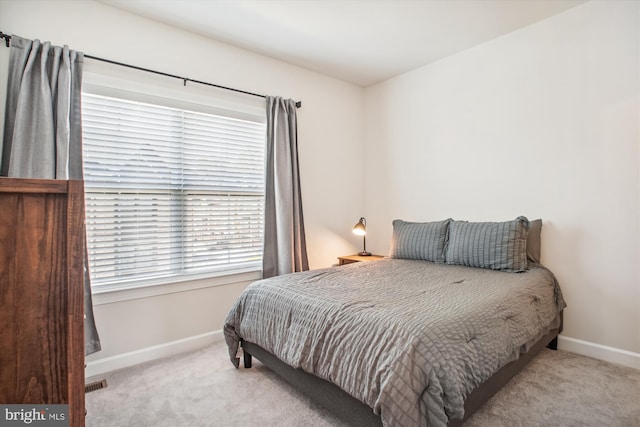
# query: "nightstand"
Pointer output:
{"type": "Point", "coordinates": [342, 260]}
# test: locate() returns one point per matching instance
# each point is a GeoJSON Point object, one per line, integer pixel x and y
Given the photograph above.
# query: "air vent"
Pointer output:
{"type": "Point", "coordinates": [97, 385]}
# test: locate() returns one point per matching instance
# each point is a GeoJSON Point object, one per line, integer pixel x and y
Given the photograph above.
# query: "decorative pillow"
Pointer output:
{"type": "Point", "coordinates": [419, 240]}
{"type": "Point", "coordinates": [533, 240]}
{"type": "Point", "coordinates": [494, 245]}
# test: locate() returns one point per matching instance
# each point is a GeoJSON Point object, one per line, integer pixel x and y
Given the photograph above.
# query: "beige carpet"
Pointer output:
{"type": "Point", "coordinates": [204, 389]}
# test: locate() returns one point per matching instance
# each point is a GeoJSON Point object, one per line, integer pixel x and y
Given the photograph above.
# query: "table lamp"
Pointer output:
{"type": "Point", "coordinates": [360, 229]}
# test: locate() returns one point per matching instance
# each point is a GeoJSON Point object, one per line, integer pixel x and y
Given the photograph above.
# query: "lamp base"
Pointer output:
{"type": "Point", "coordinates": [364, 253]}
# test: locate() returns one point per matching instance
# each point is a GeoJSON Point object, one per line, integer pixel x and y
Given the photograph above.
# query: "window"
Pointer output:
{"type": "Point", "coordinates": [170, 192]}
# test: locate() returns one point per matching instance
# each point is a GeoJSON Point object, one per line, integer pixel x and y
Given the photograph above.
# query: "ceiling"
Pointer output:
{"type": "Point", "coordinates": [359, 41]}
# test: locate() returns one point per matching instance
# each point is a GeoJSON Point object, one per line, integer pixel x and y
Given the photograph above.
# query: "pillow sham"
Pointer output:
{"type": "Point", "coordinates": [419, 240]}
{"type": "Point", "coordinates": [533, 240]}
{"type": "Point", "coordinates": [494, 245]}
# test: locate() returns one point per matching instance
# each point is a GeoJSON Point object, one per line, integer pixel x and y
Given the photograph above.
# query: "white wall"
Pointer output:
{"type": "Point", "coordinates": [542, 122]}
{"type": "Point", "coordinates": [330, 132]}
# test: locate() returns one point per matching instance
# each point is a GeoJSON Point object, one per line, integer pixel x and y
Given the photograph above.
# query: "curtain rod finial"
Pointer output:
{"type": "Point", "coordinates": [6, 37]}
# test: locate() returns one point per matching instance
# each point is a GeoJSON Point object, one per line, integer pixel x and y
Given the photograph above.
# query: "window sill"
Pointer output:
{"type": "Point", "coordinates": [112, 294]}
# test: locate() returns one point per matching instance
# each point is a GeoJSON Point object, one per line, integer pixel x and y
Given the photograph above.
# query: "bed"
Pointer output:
{"type": "Point", "coordinates": [421, 338]}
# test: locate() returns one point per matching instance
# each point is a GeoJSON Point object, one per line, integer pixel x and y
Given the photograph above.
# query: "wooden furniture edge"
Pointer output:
{"type": "Point", "coordinates": [350, 259]}
{"type": "Point", "coordinates": [75, 304]}
{"type": "Point", "coordinates": [22, 185]}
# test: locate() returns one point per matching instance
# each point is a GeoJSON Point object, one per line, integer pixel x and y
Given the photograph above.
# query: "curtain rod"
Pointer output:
{"type": "Point", "coordinates": [7, 39]}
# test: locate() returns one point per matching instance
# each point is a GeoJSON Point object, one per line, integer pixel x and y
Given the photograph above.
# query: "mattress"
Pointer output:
{"type": "Point", "coordinates": [411, 339]}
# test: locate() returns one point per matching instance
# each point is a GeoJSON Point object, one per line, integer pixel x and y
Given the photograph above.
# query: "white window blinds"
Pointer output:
{"type": "Point", "coordinates": [170, 192]}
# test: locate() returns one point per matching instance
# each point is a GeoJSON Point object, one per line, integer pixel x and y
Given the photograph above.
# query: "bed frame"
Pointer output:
{"type": "Point", "coordinates": [358, 414]}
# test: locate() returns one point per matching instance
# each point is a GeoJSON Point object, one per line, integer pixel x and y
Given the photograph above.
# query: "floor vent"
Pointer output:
{"type": "Point", "coordinates": [97, 385]}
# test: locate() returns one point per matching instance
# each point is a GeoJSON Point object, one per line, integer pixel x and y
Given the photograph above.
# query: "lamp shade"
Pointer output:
{"type": "Point", "coordinates": [360, 229]}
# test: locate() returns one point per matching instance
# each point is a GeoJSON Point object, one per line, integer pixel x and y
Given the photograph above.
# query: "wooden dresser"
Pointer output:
{"type": "Point", "coordinates": [41, 294]}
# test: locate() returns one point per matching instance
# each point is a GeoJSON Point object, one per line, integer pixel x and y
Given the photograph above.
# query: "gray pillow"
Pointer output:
{"type": "Point", "coordinates": [419, 240]}
{"type": "Point", "coordinates": [533, 240]}
{"type": "Point", "coordinates": [493, 245]}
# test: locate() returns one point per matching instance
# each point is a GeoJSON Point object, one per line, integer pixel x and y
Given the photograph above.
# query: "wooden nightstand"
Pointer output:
{"type": "Point", "coordinates": [342, 260]}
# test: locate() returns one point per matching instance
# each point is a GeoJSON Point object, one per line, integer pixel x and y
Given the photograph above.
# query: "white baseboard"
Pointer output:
{"type": "Point", "coordinates": [125, 360]}
{"type": "Point", "coordinates": [598, 351]}
{"type": "Point", "coordinates": [120, 361]}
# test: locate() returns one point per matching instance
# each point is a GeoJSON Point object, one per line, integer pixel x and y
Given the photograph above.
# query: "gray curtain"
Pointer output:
{"type": "Point", "coordinates": [43, 127]}
{"type": "Point", "coordinates": [285, 248]}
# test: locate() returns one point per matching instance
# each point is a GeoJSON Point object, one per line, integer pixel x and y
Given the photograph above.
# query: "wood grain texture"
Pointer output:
{"type": "Point", "coordinates": [75, 308]}
{"type": "Point", "coordinates": [41, 294]}
{"type": "Point", "coordinates": [349, 259]}
{"type": "Point", "coordinates": [39, 186]}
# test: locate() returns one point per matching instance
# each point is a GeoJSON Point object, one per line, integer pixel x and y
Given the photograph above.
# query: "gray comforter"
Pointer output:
{"type": "Point", "coordinates": [411, 339]}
